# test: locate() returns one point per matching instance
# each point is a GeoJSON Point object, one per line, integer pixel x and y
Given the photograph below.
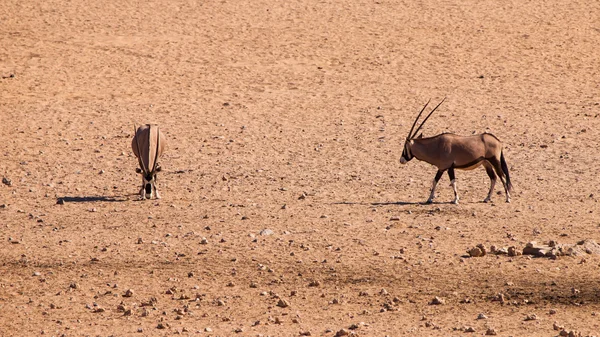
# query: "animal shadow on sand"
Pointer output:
{"type": "Point", "coordinates": [65, 199]}
{"type": "Point", "coordinates": [388, 203]}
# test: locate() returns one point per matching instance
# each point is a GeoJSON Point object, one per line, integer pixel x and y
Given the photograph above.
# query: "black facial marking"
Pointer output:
{"type": "Point", "coordinates": [148, 188]}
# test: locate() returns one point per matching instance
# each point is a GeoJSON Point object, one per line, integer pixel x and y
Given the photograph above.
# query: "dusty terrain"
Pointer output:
{"type": "Point", "coordinates": [285, 209]}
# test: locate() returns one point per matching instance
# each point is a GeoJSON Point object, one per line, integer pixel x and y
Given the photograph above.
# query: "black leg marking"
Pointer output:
{"type": "Point", "coordinates": [438, 175]}
{"type": "Point", "coordinates": [451, 173]}
{"type": "Point", "coordinates": [490, 172]}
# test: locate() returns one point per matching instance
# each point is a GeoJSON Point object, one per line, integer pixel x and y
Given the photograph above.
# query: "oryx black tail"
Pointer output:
{"type": "Point", "coordinates": [505, 171]}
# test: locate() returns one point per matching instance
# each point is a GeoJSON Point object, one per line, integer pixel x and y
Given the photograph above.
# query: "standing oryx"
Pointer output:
{"type": "Point", "coordinates": [448, 151]}
{"type": "Point", "coordinates": [148, 145]}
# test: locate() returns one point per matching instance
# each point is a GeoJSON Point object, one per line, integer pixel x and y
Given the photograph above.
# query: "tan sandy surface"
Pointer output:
{"type": "Point", "coordinates": [302, 104]}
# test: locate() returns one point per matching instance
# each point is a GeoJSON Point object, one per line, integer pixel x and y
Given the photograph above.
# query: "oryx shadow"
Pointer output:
{"type": "Point", "coordinates": [67, 199]}
{"type": "Point", "coordinates": [383, 203]}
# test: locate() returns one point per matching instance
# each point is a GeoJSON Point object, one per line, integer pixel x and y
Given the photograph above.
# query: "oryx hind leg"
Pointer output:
{"type": "Point", "coordinates": [490, 172]}
{"type": "Point", "coordinates": [495, 162]}
{"type": "Point", "coordinates": [453, 184]}
{"type": "Point", "coordinates": [438, 175]}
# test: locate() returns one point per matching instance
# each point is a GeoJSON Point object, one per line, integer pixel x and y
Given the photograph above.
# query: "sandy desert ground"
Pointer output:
{"type": "Point", "coordinates": [285, 210]}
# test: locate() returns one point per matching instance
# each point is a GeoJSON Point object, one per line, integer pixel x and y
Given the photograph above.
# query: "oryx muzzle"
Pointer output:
{"type": "Point", "coordinates": [448, 151]}
{"type": "Point", "coordinates": [148, 145]}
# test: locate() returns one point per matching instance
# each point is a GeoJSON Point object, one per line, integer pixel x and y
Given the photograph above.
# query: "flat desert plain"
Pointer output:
{"type": "Point", "coordinates": [285, 210]}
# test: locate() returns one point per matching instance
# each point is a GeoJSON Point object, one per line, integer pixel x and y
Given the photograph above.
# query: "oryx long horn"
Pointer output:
{"type": "Point", "coordinates": [157, 147]}
{"type": "Point", "coordinates": [416, 119]}
{"type": "Point", "coordinates": [426, 118]}
{"type": "Point", "coordinates": [137, 146]}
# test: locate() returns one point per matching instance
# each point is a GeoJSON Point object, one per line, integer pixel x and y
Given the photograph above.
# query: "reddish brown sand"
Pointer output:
{"type": "Point", "coordinates": [290, 116]}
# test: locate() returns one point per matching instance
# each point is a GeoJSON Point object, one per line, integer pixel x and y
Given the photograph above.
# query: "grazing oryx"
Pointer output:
{"type": "Point", "coordinates": [448, 151]}
{"type": "Point", "coordinates": [148, 145]}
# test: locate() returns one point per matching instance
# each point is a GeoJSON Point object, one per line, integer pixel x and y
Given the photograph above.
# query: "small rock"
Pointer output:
{"type": "Point", "coordinates": [6, 181]}
{"type": "Point", "coordinates": [314, 283]}
{"type": "Point", "coordinates": [203, 241]}
{"type": "Point", "coordinates": [161, 326]}
{"type": "Point", "coordinates": [266, 232]}
{"type": "Point", "coordinates": [437, 301]}
{"type": "Point", "coordinates": [128, 293]}
{"type": "Point", "coordinates": [342, 332]}
{"type": "Point", "coordinates": [557, 327]}
{"type": "Point", "coordinates": [207, 329]}
{"type": "Point", "coordinates": [395, 218]}
{"type": "Point", "coordinates": [283, 303]}
{"type": "Point", "coordinates": [475, 252]}
{"type": "Point", "coordinates": [512, 251]}
{"type": "Point", "coordinates": [37, 273]}
{"type": "Point", "coordinates": [532, 317]}
{"type": "Point", "coordinates": [469, 329]}
{"type": "Point", "coordinates": [490, 332]}
{"type": "Point", "coordinates": [482, 316]}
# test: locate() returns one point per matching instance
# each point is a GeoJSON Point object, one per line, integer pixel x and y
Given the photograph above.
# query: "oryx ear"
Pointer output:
{"type": "Point", "coordinates": [138, 170]}
{"type": "Point", "coordinates": [420, 135]}
{"type": "Point", "coordinates": [158, 169]}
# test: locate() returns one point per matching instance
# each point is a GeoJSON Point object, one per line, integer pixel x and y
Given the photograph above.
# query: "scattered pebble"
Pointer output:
{"type": "Point", "coordinates": [437, 301]}
{"type": "Point", "coordinates": [532, 317]}
{"type": "Point", "coordinates": [6, 181]}
{"type": "Point", "coordinates": [342, 332]}
{"type": "Point", "coordinates": [266, 232]}
{"type": "Point", "coordinates": [490, 332]}
{"type": "Point", "coordinates": [283, 303]}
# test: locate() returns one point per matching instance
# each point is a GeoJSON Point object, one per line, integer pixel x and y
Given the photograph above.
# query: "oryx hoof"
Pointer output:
{"type": "Point", "coordinates": [508, 201]}
{"type": "Point", "coordinates": [486, 200]}
{"type": "Point", "coordinates": [455, 201]}
{"type": "Point", "coordinates": [429, 201]}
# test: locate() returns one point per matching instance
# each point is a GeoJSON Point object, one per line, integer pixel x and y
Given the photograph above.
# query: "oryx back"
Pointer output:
{"type": "Point", "coordinates": [148, 145]}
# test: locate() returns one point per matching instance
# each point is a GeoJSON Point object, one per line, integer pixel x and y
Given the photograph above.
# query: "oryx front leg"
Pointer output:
{"type": "Point", "coordinates": [453, 183]}
{"type": "Point", "coordinates": [156, 194]}
{"type": "Point", "coordinates": [438, 175]}
{"type": "Point", "coordinates": [143, 190]}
